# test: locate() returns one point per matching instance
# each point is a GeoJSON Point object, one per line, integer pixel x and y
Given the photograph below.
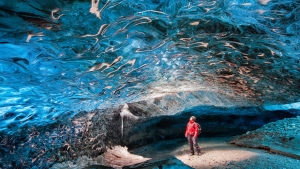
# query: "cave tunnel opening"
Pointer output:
{"type": "Point", "coordinates": [215, 122]}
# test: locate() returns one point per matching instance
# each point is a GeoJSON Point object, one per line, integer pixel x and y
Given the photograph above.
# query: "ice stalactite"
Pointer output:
{"type": "Point", "coordinates": [126, 113]}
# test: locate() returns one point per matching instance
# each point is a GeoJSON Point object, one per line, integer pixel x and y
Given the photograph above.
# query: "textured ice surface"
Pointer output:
{"type": "Point", "coordinates": [281, 137]}
{"type": "Point", "coordinates": [59, 57]}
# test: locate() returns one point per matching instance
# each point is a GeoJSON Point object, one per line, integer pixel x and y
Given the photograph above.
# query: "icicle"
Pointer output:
{"type": "Point", "coordinates": [126, 113]}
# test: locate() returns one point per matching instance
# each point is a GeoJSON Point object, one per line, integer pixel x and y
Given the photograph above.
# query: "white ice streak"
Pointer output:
{"type": "Point", "coordinates": [264, 2]}
{"type": "Point", "coordinates": [31, 35]}
{"type": "Point", "coordinates": [126, 113]}
{"type": "Point", "coordinates": [94, 8]}
{"type": "Point", "coordinates": [100, 32]}
{"type": "Point", "coordinates": [194, 23]}
{"type": "Point", "coordinates": [200, 44]}
{"type": "Point", "coordinates": [101, 65]}
{"type": "Point", "coordinates": [130, 62]}
{"type": "Point", "coordinates": [152, 14]}
{"type": "Point", "coordinates": [53, 12]}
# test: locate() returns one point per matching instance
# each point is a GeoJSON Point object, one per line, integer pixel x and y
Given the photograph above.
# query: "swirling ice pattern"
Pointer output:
{"type": "Point", "coordinates": [60, 57]}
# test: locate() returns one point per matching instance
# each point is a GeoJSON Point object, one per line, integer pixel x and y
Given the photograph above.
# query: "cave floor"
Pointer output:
{"type": "Point", "coordinates": [217, 153]}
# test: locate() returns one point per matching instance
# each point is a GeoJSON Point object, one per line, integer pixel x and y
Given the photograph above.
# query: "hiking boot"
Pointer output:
{"type": "Point", "coordinates": [191, 154]}
{"type": "Point", "coordinates": [199, 154]}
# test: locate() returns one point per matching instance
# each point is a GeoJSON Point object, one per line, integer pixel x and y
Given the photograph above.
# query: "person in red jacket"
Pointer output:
{"type": "Point", "coordinates": [191, 134]}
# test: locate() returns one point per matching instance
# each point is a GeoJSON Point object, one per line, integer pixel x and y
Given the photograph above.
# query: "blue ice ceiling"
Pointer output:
{"type": "Point", "coordinates": [59, 57]}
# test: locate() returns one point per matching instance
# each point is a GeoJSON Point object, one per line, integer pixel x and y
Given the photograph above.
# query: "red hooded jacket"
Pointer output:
{"type": "Point", "coordinates": [191, 129]}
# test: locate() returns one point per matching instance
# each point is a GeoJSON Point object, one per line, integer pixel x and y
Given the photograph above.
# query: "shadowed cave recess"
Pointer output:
{"type": "Point", "coordinates": [79, 77]}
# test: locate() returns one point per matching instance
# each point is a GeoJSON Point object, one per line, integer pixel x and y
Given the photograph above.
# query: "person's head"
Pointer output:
{"type": "Point", "coordinates": [193, 118]}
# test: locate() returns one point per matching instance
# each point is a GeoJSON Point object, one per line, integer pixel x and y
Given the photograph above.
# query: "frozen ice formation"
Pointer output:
{"type": "Point", "coordinates": [126, 113]}
{"type": "Point", "coordinates": [61, 57]}
{"type": "Point", "coordinates": [280, 137]}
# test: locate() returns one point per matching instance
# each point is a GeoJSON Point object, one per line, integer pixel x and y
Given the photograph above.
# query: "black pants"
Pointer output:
{"type": "Point", "coordinates": [193, 142]}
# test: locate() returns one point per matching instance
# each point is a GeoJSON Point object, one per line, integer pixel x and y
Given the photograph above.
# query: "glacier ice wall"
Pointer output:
{"type": "Point", "coordinates": [63, 56]}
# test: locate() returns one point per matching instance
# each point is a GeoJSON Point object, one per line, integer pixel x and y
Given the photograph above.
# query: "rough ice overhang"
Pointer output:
{"type": "Point", "coordinates": [283, 106]}
{"type": "Point", "coordinates": [60, 57]}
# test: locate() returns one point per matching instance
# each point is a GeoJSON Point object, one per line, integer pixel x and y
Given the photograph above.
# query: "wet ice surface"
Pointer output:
{"type": "Point", "coordinates": [61, 57]}
{"type": "Point", "coordinates": [218, 154]}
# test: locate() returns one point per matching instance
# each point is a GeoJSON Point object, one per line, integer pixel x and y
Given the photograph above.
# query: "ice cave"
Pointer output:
{"type": "Point", "coordinates": [113, 83]}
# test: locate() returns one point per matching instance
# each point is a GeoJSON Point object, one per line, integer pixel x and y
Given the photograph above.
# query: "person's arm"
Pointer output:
{"type": "Point", "coordinates": [196, 130]}
{"type": "Point", "coordinates": [186, 131]}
